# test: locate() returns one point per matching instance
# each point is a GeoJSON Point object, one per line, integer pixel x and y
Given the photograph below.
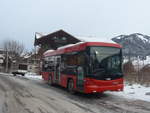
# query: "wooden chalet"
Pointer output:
{"type": "Point", "coordinates": [53, 40]}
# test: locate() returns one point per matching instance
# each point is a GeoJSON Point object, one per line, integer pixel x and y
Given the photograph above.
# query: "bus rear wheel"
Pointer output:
{"type": "Point", "coordinates": [50, 81]}
{"type": "Point", "coordinates": [71, 86]}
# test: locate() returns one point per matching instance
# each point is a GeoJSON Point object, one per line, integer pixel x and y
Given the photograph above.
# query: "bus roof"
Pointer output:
{"type": "Point", "coordinates": [78, 47]}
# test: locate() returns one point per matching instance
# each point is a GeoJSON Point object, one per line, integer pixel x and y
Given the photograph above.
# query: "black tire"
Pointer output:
{"type": "Point", "coordinates": [70, 86]}
{"type": "Point", "coordinates": [50, 81]}
{"type": "Point", "coordinates": [22, 74]}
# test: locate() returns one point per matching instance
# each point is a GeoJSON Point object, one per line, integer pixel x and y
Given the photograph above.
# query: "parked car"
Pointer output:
{"type": "Point", "coordinates": [22, 70]}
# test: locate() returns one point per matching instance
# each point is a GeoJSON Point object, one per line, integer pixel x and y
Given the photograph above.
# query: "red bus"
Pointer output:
{"type": "Point", "coordinates": [89, 67]}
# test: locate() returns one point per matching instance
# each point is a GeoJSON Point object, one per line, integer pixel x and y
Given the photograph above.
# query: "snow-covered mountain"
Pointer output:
{"type": "Point", "coordinates": [134, 44]}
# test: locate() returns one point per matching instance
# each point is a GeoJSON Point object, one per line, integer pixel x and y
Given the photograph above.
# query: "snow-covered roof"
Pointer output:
{"type": "Point", "coordinates": [1, 49]}
{"type": "Point", "coordinates": [48, 51]}
{"type": "Point", "coordinates": [70, 45]}
{"type": "Point", "coordinates": [94, 39]}
{"type": "Point", "coordinates": [2, 56]}
{"type": "Point", "coordinates": [27, 56]}
{"type": "Point", "coordinates": [39, 35]}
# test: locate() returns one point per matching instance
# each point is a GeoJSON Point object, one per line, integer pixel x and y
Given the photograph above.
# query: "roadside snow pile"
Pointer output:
{"type": "Point", "coordinates": [33, 76]}
{"type": "Point", "coordinates": [141, 63]}
{"type": "Point", "coordinates": [135, 91]}
{"type": "Point", "coordinates": [137, 62]}
{"type": "Point", "coordinates": [6, 74]}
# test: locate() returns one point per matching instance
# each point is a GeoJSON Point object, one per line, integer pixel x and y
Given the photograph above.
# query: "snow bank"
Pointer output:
{"type": "Point", "coordinates": [135, 91]}
{"type": "Point", "coordinates": [141, 63]}
{"type": "Point", "coordinates": [33, 76]}
{"type": "Point", "coordinates": [7, 74]}
{"type": "Point", "coordinates": [137, 62]}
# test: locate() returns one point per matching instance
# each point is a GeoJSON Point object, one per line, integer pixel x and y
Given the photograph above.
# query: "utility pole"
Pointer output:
{"type": "Point", "coordinates": [7, 61]}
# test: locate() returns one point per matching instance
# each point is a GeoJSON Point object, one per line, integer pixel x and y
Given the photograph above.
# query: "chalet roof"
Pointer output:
{"type": "Point", "coordinates": [39, 35]}
{"type": "Point", "coordinates": [61, 38]}
{"type": "Point", "coordinates": [55, 39]}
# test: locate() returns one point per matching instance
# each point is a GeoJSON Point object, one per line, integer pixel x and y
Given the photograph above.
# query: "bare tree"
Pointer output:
{"type": "Point", "coordinates": [14, 48]}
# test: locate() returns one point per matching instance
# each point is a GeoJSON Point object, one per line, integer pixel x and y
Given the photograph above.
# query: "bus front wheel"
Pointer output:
{"type": "Point", "coordinates": [71, 86]}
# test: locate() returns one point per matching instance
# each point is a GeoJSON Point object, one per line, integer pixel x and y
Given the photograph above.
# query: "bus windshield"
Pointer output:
{"type": "Point", "coordinates": [105, 61]}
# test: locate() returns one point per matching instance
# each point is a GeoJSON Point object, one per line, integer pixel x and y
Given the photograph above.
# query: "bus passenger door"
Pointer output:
{"type": "Point", "coordinates": [57, 69]}
{"type": "Point", "coordinates": [80, 78]}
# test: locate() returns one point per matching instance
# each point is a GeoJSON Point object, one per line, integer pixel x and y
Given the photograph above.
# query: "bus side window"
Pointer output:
{"type": "Point", "coordinates": [81, 58]}
{"type": "Point", "coordinates": [75, 59]}
{"type": "Point", "coordinates": [44, 65]}
{"type": "Point", "coordinates": [71, 60]}
{"type": "Point", "coordinates": [51, 63]}
{"type": "Point", "coordinates": [47, 64]}
{"type": "Point", "coordinates": [63, 62]}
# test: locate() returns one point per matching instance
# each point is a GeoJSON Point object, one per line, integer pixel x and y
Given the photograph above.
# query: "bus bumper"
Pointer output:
{"type": "Point", "coordinates": [100, 89]}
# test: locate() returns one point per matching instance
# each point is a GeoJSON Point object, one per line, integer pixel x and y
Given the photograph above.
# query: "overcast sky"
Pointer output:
{"type": "Point", "coordinates": [20, 19]}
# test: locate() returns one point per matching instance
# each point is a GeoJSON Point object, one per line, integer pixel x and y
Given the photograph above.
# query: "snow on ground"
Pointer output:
{"type": "Point", "coordinates": [137, 62]}
{"type": "Point", "coordinates": [28, 75]}
{"type": "Point", "coordinates": [33, 76]}
{"type": "Point", "coordinates": [6, 73]}
{"type": "Point", "coordinates": [141, 63]}
{"type": "Point", "coordinates": [134, 91]}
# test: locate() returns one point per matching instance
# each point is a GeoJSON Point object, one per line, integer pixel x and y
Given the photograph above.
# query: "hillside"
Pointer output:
{"type": "Point", "coordinates": [134, 45]}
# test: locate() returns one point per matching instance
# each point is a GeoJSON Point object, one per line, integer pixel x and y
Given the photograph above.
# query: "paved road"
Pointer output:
{"type": "Point", "coordinates": [20, 95]}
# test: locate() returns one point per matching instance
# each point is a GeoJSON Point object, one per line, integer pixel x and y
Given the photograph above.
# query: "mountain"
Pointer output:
{"type": "Point", "coordinates": [134, 45]}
